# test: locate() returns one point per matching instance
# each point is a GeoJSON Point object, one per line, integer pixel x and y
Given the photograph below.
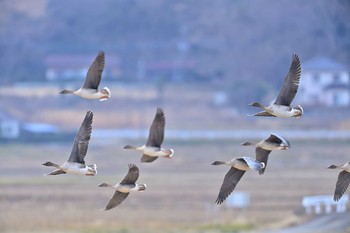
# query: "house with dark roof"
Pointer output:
{"type": "Point", "coordinates": [75, 66]}
{"type": "Point", "coordinates": [324, 82]}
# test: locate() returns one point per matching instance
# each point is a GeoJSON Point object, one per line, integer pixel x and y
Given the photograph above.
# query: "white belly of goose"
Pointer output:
{"type": "Point", "coordinates": [269, 146]}
{"type": "Point", "coordinates": [74, 168]}
{"type": "Point", "coordinates": [280, 111]}
{"type": "Point", "coordinates": [155, 151]}
{"type": "Point", "coordinates": [240, 165]}
{"type": "Point", "coordinates": [125, 188]}
{"type": "Point", "coordinates": [346, 167]}
{"type": "Point", "coordinates": [88, 93]}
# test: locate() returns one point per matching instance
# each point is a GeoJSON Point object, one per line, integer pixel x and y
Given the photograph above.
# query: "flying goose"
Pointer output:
{"type": "Point", "coordinates": [76, 163]}
{"type": "Point", "coordinates": [152, 149]}
{"type": "Point", "coordinates": [282, 105]}
{"type": "Point", "coordinates": [343, 180]}
{"type": "Point", "coordinates": [93, 78]}
{"type": "Point", "coordinates": [238, 167]}
{"type": "Point", "coordinates": [264, 148]}
{"type": "Point", "coordinates": [123, 188]}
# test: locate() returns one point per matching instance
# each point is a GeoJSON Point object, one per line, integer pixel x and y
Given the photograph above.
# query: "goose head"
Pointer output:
{"type": "Point", "coordinates": [298, 111]}
{"type": "Point", "coordinates": [105, 94]}
{"type": "Point", "coordinates": [91, 170]}
{"type": "Point", "coordinates": [283, 146]}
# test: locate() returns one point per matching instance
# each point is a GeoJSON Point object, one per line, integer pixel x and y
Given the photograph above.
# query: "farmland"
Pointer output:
{"type": "Point", "coordinates": [180, 191]}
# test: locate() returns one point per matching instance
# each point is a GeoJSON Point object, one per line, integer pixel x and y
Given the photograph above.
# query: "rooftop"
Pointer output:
{"type": "Point", "coordinates": [322, 63]}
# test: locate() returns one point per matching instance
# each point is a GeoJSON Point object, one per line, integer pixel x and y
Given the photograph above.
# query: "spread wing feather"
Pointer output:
{"type": "Point", "coordinates": [156, 132]}
{"type": "Point", "coordinates": [342, 184]}
{"type": "Point", "coordinates": [231, 179]}
{"type": "Point", "coordinates": [291, 83]}
{"type": "Point", "coordinates": [117, 198]}
{"type": "Point", "coordinates": [132, 175]}
{"type": "Point", "coordinates": [262, 156]}
{"type": "Point", "coordinates": [94, 74]}
{"type": "Point", "coordinates": [147, 159]}
{"type": "Point", "coordinates": [81, 141]}
{"type": "Point", "coordinates": [263, 114]}
{"type": "Point", "coordinates": [274, 138]}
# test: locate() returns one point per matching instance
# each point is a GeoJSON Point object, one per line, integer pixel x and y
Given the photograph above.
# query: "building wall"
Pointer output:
{"type": "Point", "coordinates": [337, 97]}
{"type": "Point", "coordinates": [313, 84]}
{"type": "Point", "coordinates": [9, 129]}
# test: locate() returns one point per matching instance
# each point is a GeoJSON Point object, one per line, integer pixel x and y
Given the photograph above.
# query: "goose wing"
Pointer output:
{"type": "Point", "coordinates": [274, 138]}
{"type": "Point", "coordinates": [231, 179]}
{"type": "Point", "coordinates": [262, 156]}
{"type": "Point", "coordinates": [117, 198]}
{"type": "Point", "coordinates": [251, 163]}
{"type": "Point", "coordinates": [81, 141]}
{"type": "Point", "coordinates": [263, 114]}
{"type": "Point", "coordinates": [132, 175]}
{"type": "Point", "coordinates": [93, 76]}
{"type": "Point", "coordinates": [342, 184]}
{"type": "Point", "coordinates": [57, 172]}
{"type": "Point", "coordinates": [291, 83]}
{"type": "Point", "coordinates": [156, 132]}
{"type": "Point", "coordinates": [148, 159]}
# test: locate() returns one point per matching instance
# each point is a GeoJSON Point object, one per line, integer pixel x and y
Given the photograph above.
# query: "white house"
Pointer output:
{"type": "Point", "coordinates": [9, 126]}
{"type": "Point", "coordinates": [324, 82]}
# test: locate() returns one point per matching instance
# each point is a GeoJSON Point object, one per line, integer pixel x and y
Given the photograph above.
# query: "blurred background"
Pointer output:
{"type": "Point", "coordinates": [203, 62]}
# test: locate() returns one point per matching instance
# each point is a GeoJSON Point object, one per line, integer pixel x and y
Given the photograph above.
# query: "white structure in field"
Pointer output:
{"type": "Point", "coordinates": [324, 82]}
{"type": "Point", "coordinates": [316, 204]}
{"type": "Point", "coordinates": [9, 126]}
{"type": "Point", "coordinates": [239, 200]}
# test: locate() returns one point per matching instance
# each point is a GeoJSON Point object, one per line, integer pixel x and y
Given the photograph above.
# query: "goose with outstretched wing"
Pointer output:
{"type": "Point", "coordinates": [238, 167]}
{"type": "Point", "coordinates": [90, 90]}
{"type": "Point", "coordinates": [281, 107]}
{"type": "Point", "coordinates": [123, 188]}
{"type": "Point", "coordinates": [343, 180]}
{"type": "Point", "coordinates": [76, 161]}
{"type": "Point", "coordinates": [265, 146]}
{"type": "Point", "coordinates": [152, 149]}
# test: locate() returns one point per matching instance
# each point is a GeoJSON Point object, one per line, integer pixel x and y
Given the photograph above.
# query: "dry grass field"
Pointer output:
{"type": "Point", "coordinates": [180, 191]}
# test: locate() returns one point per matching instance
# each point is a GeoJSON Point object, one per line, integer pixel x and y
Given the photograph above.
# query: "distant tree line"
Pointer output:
{"type": "Point", "coordinates": [240, 40]}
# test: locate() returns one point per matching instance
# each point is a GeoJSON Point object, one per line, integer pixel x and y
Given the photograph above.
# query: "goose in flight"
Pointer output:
{"type": "Point", "coordinates": [123, 188]}
{"type": "Point", "coordinates": [282, 105]}
{"type": "Point", "coordinates": [152, 149]}
{"type": "Point", "coordinates": [238, 167]}
{"type": "Point", "coordinates": [343, 180]}
{"type": "Point", "coordinates": [76, 161]}
{"type": "Point", "coordinates": [264, 148]}
{"type": "Point", "coordinates": [90, 90]}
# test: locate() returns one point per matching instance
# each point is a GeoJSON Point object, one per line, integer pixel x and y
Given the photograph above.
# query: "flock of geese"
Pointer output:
{"type": "Point", "coordinates": [152, 149]}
